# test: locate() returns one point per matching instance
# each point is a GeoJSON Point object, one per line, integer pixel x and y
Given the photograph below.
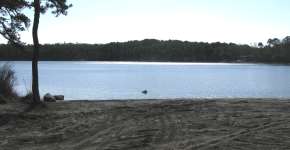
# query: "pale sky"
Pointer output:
{"type": "Point", "coordinates": [103, 21]}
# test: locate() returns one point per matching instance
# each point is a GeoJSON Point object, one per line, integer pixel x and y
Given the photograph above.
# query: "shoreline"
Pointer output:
{"type": "Point", "coordinates": [184, 99]}
{"type": "Point", "coordinates": [161, 62]}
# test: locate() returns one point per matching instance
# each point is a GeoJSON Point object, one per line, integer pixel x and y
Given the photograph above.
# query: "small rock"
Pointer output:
{"type": "Point", "coordinates": [49, 98]}
{"type": "Point", "coordinates": [59, 97]}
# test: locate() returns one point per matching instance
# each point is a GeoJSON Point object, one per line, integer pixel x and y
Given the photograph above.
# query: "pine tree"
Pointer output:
{"type": "Point", "coordinates": [13, 21]}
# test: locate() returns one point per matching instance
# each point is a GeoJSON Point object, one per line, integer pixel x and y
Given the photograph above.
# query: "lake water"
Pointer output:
{"type": "Point", "coordinates": [127, 80]}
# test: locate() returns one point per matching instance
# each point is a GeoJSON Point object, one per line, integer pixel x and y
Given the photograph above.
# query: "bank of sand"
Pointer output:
{"type": "Point", "coordinates": [152, 124]}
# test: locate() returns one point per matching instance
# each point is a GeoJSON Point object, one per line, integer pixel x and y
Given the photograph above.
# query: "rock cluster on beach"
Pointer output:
{"type": "Point", "coordinates": [52, 98]}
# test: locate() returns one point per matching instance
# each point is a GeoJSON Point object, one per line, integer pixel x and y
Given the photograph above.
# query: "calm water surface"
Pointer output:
{"type": "Point", "coordinates": [126, 80]}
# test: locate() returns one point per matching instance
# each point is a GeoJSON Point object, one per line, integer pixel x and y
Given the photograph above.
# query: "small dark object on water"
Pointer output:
{"type": "Point", "coordinates": [145, 92]}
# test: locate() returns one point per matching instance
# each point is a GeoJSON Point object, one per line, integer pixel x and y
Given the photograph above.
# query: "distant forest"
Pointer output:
{"type": "Point", "coordinates": [276, 51]}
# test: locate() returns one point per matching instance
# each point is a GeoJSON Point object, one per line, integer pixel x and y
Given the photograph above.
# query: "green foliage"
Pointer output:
{"type": "Point", "coordinates": [7, 81]}
{"type": "Point", "coordinates": [153, 50]}
{"type": "Point", "coordinates": [13, 20]}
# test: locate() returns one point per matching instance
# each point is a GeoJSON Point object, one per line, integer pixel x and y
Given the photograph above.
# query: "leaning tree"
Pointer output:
{"type": "Point", "coordinates": [13, 20]}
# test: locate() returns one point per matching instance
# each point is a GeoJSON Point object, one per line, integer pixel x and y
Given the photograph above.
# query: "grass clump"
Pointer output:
{"type": "Point", "coordinates": [28, 97]}
{"type": "Point", "coordinates": [7, 81]}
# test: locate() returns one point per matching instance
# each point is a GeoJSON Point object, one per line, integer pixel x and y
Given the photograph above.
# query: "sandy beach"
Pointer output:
{"type": "Point", "coordinates": [148, 124]}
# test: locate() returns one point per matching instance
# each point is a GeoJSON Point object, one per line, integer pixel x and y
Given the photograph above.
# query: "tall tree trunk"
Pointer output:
{"type": "Point", "coordinates": [35, 84]}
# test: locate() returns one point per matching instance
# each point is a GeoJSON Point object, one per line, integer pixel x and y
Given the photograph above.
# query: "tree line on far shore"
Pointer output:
{"type": "Point", "coordinates": [276, 51]}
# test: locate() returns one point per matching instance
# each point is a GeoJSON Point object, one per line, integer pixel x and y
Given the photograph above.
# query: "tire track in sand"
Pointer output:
{"type": "Point", "coordinates": [224, 139]}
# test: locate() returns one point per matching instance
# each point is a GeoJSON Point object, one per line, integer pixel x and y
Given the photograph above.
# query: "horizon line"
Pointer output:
{"type": "Point", "coordinates": [104, 43]}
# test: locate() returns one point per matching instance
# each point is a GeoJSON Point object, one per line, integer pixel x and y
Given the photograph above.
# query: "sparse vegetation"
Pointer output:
{"type": "Point", "coordinates": [7, 81]}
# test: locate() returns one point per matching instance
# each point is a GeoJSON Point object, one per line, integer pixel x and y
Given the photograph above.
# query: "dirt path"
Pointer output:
{"type": "Point", "coordinates": [147, 125]}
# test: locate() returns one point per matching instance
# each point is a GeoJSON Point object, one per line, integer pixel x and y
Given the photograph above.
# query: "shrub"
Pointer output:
{"type": "Point", "coordinates": [28, 97]}
{"type": "Point", "coordinates": [2, 100]}
{"type": "Point", "coordinates": [7, 81]}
